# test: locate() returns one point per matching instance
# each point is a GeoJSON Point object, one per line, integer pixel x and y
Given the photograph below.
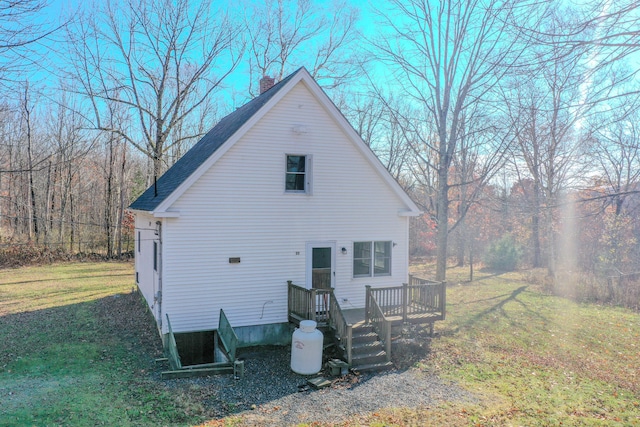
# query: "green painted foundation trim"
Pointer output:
{"type": "Point", "coordinates": [271, 334]}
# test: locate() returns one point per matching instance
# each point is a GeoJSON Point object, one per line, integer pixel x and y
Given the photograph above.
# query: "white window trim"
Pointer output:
{"type": "Point", "coordinates": [308, 165]}
{"type": "Point", "coordinates": [372, 260]}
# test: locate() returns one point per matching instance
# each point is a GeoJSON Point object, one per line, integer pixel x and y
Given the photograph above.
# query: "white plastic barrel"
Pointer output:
{"type": "Point", "coordinates": [306, 349]}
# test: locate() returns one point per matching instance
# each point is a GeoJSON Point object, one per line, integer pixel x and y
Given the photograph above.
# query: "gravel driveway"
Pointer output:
{"type": "Point", "coordinates": [269, 392]}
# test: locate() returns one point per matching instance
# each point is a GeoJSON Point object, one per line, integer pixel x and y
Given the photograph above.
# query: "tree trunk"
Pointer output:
{"type": "Point", "coordinates": [461, 237]}
{"type": "Point", "coordinates": [121, 208]}
{"type": "Point", "coordinates": [72, 222]}
{"type": "Point", "coordinates": [33, 226]}
{"type": "Point", "coordinates": [471, 260]}
{"type": "Point", "coordinates": [108, 219]}
{"type": "Point", "coordinates": [442, 218]}
{"type": "Point", "coordinates": [535, 239]}
{"type": "Point", "coordinates": [535, 227]}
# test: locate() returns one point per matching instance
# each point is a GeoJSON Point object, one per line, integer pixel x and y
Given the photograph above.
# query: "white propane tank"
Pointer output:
{"type": "Point", "coordinates": [306, 349]}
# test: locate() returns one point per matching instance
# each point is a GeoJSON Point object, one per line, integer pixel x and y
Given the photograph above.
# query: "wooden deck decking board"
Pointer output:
{"type": "Point", "coordinates": [355, 316]}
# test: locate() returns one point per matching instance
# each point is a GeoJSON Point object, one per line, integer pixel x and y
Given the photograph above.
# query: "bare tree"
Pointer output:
{"type": "Point", "coordinates": [483, 145]}
{"type": "Point", "coordinates": [283, 34]}
{"type": "Point", "coordinates": [609, 27]}
{"type": "Point", "coordinates": [446, 56]}
{"type": "Point", "coordinates": [20, 33]}
{"type": "Point", "coordinates": [27, 117]}
{"type": "Point", "coordinates": [381, 131]}
{"type": "Point", "coordinates": [160, 61]}
{"type": "Point", "coordinates": [615, 149]}
{"type": "Point", "coordinates": [70, 149]}
{"type": "Point", "coordinates": [548, 108]}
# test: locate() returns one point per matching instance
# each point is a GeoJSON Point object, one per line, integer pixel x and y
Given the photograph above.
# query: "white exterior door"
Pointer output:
{"type": "Point", "coordinates": [321, 261]}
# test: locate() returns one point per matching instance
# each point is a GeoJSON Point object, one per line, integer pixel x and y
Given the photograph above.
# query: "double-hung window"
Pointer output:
{"type": "Point", "coordinates": [296, 177]}
{"type": "Point", "coordinates": [371, 259]}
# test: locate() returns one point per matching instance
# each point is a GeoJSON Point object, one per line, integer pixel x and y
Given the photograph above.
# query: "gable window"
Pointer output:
{"type": "Point", "coordinates": [296, 174]}
{"type": "Point", "coordinates": [371, 259]}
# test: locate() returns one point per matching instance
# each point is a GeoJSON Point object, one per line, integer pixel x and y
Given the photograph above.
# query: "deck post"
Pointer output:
{"type": "Point", "coordinates": [349, 344]}
{"type": "Point", "coordinates": [289, 292]}
{"type": "Point", "coordinates": [312, 305]}
{"type": "Point", "coordinates": [367, 298]}
{"type": "Point", "coordinates": [387, 342]}
{"type": "Point", "coordinates": [405, 301]}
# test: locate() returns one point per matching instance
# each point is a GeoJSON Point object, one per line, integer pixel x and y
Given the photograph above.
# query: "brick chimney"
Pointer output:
{"type": "Point", "coordinates": [266, 83]}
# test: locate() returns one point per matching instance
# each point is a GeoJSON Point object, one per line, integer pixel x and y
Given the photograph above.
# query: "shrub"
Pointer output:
{"type": "Point", "coordinates": [503, 254]}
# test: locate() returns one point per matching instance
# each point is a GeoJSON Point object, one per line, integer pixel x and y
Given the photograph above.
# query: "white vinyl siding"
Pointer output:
{"type": "Point", "coordinates": [222, 216]}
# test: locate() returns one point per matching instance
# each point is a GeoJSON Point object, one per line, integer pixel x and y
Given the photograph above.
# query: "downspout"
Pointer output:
{"type": "Point", "coordinates": [158, 296]}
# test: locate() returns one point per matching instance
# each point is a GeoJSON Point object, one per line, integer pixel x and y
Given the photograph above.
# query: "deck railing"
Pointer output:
{"type": "Point", "coordinates": [344, 330]}
{"type": "Point", "coordinates": [419, 296]}
{"type": "Point", "coordinates": [427, 296]}
{"type": "Point", "coordinates": [311, 304]}
{"type": "Point", "coordinates": [380, 323]}
{"type": "Point", "coordinates": [383, 307]}
{"type": "Point", "coordinates": [322, 306]}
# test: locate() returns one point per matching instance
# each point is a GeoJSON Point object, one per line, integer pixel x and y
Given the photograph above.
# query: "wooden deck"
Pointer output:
{"type": "Point", "coordinates": [420, 301]}
{"type": "Point", "coordinates": [356, 317]}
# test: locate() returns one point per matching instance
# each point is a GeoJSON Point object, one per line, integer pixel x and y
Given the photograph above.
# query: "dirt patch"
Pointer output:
{"type": "Point", "coordinates": [412, 346]}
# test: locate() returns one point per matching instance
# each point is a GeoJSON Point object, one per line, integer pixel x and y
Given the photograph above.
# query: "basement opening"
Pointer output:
{"type": "Point", "coordinates": [195, 348]}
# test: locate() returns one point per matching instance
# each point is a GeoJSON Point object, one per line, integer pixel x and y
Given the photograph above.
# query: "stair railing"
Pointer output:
{"type": "Point", "coordinates": [379, 321]}
{"type": "Point", "coordinates": [344, 330]}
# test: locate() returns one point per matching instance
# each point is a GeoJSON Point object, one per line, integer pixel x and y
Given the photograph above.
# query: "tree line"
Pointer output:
{"type": "Point", "coordinates": [512, 121]}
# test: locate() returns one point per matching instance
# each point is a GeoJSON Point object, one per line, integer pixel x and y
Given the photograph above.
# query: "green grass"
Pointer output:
{"type": "Point", "coordinates": [36, 288]}
{"type": "Point", "coordinates": [537, 359]}
{"type": "Point", "coordinates": [78, 349]}
{"type": "Point", "coordinates": [66, 358]}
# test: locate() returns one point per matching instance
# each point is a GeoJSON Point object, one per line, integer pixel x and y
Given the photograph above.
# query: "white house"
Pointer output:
{"type": "Point", "coordinates": [282, 189]}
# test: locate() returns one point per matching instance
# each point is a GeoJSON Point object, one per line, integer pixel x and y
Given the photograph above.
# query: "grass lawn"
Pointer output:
{"type": "Point", "coordinates": [77, 349]}
{"type": "Point", "coordinates": [533, 359]}
{"type": "Point", "coordinates": [68, 356]}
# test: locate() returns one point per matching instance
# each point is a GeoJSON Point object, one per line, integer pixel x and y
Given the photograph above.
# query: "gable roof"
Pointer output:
{"type": "Point", "coordinates": [203, 149]}
{"type": "Point", "coordinates": [219, 139]}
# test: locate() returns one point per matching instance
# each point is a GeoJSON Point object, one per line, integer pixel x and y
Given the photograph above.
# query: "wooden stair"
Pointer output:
{"type": "Point", "coordinates": [367, 351]}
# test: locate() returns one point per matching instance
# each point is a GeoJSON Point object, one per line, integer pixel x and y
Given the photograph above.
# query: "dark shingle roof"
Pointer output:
{"type": "Point", "coordinates": [203, 149]}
